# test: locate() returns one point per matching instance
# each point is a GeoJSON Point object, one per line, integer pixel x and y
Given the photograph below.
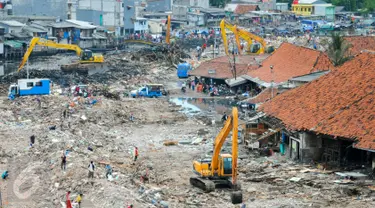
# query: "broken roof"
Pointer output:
{"type": "Point", "coordinates": [264, 96]}
{"type": "Point", "coordinates": [291, 61]}
{"type": "Point", "coordinates": [361, 43]}
{"type": "Point", "coordinates": [341, 103]}
{"type": "Point", "coordinates": [220, 68]}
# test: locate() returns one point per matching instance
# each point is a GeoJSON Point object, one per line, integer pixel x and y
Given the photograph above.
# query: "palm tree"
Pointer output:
{"type": "Point", "coordinates": [338, 49]}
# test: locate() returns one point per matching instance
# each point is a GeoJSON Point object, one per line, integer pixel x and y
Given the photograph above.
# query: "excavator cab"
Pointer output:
{"type": "Point", "coordinates": [87, 55]}
{"type": "Point", "coordinates": [225, 165]}
{"type": "Point", "coordinates": [255, 48]}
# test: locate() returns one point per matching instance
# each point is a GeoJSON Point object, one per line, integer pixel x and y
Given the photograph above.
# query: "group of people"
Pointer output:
{"type": "Point", "coordinates": [77, 200]}
{"type": "Point", "coordinates": [196, 85]}
{"type": "Point", "coordinates": [91, 170]}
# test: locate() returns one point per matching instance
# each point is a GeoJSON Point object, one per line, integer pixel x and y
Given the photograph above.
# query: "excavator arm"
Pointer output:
{"type": "Point", "coordinates": [226, 25]}
{"type": "Point", "coordinates": [168, 33]}
{"type": "Point", "coordinates": [230, 124]}
{"type": "Point", "coordinates": [234, 144]}
{"type": "Point", "coordinates": [249, 37]}
{"type": "Point", "coordinates": [219, 141]}
{"type": "Point", "coordinates": [240, 33]}
{"type": "Point", "coordinates": [48, 43]}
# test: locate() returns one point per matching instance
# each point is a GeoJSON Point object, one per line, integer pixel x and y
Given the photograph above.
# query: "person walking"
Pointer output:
{"type": "Point", "coordinates": [78, 200]}
{"type": "Point", "coordinates": [91, 169]}
{"type": "Point", "coordinates": [224, 118]}
{"type": "Point", "coordinates": [193, 85]}
{"type": "Point", "coordinates": [5, 175]}
{"type": "Point", "coordinates": [63, 162]}
{"type": "Point", "coordinates": [108, 169]}
{"type": "Point", "coordinates": [68, 202]}
{"type": "Point", "coordinates": [136, 153]}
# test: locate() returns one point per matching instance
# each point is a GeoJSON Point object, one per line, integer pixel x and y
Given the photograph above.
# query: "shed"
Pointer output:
{"type": "Point", "coordinates": [12, 26]}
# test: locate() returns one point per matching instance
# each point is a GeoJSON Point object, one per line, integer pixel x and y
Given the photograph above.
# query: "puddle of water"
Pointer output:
{"type": "Point", "coordinates": [206, 106]}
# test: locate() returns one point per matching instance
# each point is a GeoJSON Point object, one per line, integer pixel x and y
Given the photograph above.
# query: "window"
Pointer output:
{"type": "Point", "coordinates": [30, 84]}
{"type": "Point", "coordinates": [228, 165]}
{"type": "Point", "coordinates": [38, 84]}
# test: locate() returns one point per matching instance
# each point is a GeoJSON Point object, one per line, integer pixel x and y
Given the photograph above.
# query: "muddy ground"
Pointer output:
{"type": "Point", "coordinates": [36, 178]}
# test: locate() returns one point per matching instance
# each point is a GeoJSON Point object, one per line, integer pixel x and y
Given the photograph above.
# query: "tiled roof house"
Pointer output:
{"type": "Point", "coordinates": [340, 104]}
{"type": "Point", "coordinates": [220, 68]}
{"type": "Point", "coordinates": [290, 61]}
{"type": "Point", "coordinates": [361, 43]}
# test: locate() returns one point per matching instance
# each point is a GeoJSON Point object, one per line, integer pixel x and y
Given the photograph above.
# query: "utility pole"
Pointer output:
{"type": "Point", "coordinates": [213, 51]}
{"type": "Point", "coordinates": [234, 64]}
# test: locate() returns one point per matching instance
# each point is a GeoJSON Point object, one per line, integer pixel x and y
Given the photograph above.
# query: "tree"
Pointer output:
{"type": "Point", "coordinates": [338, 49]}
{"type": "Point", "coordinates": [370, 5]}
{"type": "Point", "coordinates": [219, 3]}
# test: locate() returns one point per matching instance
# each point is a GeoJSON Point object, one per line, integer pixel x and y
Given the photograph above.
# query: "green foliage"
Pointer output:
{"type": "Point", "coordinates": [219, 3]}
{"type": "Point", "coordinates": [338, 49]}
{"type": "Point", "coordinates": [370, 5]}
{"type": "Point", "coordinates": [354, 5]}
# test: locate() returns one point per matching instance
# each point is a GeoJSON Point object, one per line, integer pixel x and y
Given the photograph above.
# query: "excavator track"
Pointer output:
{"type": "Point", "coordinates": [204, 184]}
{"type": "Point", "coordinates": [236, 197]}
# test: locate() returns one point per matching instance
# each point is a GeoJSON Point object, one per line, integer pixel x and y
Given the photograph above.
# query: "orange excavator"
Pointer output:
{"type": "Point", "coordinates": [168, 33]}
{"type": "Point", "coordinates": [221, 169]}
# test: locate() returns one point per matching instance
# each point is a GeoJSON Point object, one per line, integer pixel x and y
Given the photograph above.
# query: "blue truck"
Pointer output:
{"type": "Point", "coordinates": [149, 90]}
{"type": "Point", "coordinates": [26, 87]}
{"type": "Point", "coordinates": [183, 70]}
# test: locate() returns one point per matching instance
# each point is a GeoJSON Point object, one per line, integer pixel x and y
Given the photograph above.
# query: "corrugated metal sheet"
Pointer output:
{"type": "Point", "coordinates": [13, 43]}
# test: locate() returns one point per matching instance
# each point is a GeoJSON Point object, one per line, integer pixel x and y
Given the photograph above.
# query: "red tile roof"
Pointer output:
{"type": "Point", "coordinates": [222, 67]}
{"type": "Point", "coordinates": [291, 61]}
{"type": "Point", "coordinates": [243, 8]}
{"type": "Point", "coordinates": [360, 43]}
{"type": "Point", "coordinates": [341, 103]}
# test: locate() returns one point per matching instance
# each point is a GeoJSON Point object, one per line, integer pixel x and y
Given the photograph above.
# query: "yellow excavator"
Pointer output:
{"type": "Point", "coordinates": [252, 48]}
{"type": "Point", "coordinates": [86, 56]}
{"type": "Point", "coordinates": [221, 169]}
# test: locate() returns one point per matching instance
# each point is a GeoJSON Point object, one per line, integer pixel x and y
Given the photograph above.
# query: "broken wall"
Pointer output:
{"type": "Point", "coordinates": [311, 147]}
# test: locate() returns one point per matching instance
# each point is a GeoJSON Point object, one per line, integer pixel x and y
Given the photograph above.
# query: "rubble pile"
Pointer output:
{"type": "Point", "coordinates": [285, 183]}
{"type": "Point", "coordinates": [101, 132]}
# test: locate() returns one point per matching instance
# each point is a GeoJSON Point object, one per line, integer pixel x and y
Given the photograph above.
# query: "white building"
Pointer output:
{"type": "Point", "coordinates": [107, 13]}
{"type": "Point", "coordinates": [140, 25]}
{"type": "Point", "coordinates": [181, 7]}
{"type": "Point", "coordinates": [12, 26]}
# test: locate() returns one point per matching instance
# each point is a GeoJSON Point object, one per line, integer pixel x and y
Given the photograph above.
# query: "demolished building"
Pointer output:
{"type": "Point", "coordinates": [330, 119]}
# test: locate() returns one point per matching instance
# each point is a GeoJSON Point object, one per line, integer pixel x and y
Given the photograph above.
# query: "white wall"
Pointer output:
{"type": "Point", "coordinates": [155, 27]}
{"type": "Point", "coordinates": [195, 20]}
{"type": "Point", "coordinates": [320, 10]}
{"type": "Point", "coordinates": [113, 12]}
{"type": "Point", "coordinates": [200, 3]}
{"type": "Point", "coordinates": [197, 3]}
{"type": "Point", "coordinates": [15, 29]}
{"type": "Point", "coordinates": [140, 25]}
